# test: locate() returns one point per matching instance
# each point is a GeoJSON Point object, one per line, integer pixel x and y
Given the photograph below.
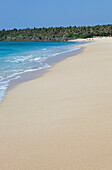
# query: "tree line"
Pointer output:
{"type": "Point", "coordinates": [56, 33]}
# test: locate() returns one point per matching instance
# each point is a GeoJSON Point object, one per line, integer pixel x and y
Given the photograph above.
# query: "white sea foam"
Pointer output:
{"type": "Point", "coordinates": [38, 59]}
{"type": "Point", "coordinates": [5, 83]}
{"type": "Point", "coordinates": [44, 49]}
{"type": "Point", "coordinates": [74, 49]}
{"type": "Point", "coordinates": [3, 88]}
{"type": "Point", "coordinates": [18, 59]}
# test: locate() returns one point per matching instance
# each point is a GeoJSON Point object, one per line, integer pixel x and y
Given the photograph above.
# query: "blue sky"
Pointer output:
{"type": "Point", "coordinates": [46, 13]}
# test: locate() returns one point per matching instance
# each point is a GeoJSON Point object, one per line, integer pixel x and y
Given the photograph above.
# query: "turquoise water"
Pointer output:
{"type": "Point", "coordinates": [17, 58]}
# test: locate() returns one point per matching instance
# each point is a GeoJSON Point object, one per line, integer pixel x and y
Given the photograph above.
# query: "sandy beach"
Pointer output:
{"type": "Point", "coordinates": [62, 120]}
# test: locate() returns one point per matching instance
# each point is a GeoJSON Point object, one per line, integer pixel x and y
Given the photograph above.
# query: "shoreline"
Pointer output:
{"type": "Point", "coordinates": [51, 62]}
{"type": "Point", "coordinates": [63, 119]}
{"type": "Point", "coordinates": [35, 73]}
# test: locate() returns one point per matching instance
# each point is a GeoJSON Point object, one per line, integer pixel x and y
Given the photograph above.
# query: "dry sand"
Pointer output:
{"type": "Point", "coordinates": [63, 120]}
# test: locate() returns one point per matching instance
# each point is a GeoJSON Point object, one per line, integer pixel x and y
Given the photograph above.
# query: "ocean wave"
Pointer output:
{"type": "Point", "coordinates": [67, 51]}
{"type": "Point", "coordinates": [4, 82]}
{"type": "Point", "coordinates": [18, 59]}
{"type": "Point", "coordinates": [39, 59]}
{"type": "Point", "coordinates": [3, 88]}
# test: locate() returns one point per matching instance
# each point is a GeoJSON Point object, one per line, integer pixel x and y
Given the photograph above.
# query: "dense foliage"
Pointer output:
{"type": "Point", "coordinates": [56, 34]}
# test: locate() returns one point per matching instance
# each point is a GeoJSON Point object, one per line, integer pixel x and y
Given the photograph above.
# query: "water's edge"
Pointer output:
{"type": "Point", "coordinates": [34, 74]}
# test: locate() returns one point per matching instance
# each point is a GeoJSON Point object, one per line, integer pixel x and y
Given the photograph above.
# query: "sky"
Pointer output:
{"type": "Point", "coordinates": [50, 13]}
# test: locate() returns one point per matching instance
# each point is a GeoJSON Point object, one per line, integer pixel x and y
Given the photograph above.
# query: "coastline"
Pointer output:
{"type": "Point", "coordinates": [61, 120]}
{"type": "Point", "coordinates": [36, 72]}
{"type": "Point", "coordinates": [38, 67]}
{"type": "Point", "coordinates": [28, 76]}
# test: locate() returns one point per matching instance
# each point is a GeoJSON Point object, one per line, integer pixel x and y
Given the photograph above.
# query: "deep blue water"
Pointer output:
{"type": "Point", "coordinates": [19, 57]}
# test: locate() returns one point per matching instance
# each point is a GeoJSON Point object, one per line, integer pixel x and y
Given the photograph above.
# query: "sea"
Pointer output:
{"type": "Point", "coordinates": [21, 59]}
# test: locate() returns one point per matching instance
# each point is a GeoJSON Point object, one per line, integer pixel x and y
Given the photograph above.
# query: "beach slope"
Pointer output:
{"type": "Point", "coordinates": [62, 120]}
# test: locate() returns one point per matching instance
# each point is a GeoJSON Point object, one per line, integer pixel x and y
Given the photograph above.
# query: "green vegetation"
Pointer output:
{"type": "Point", "coordinates": [55, 34]}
